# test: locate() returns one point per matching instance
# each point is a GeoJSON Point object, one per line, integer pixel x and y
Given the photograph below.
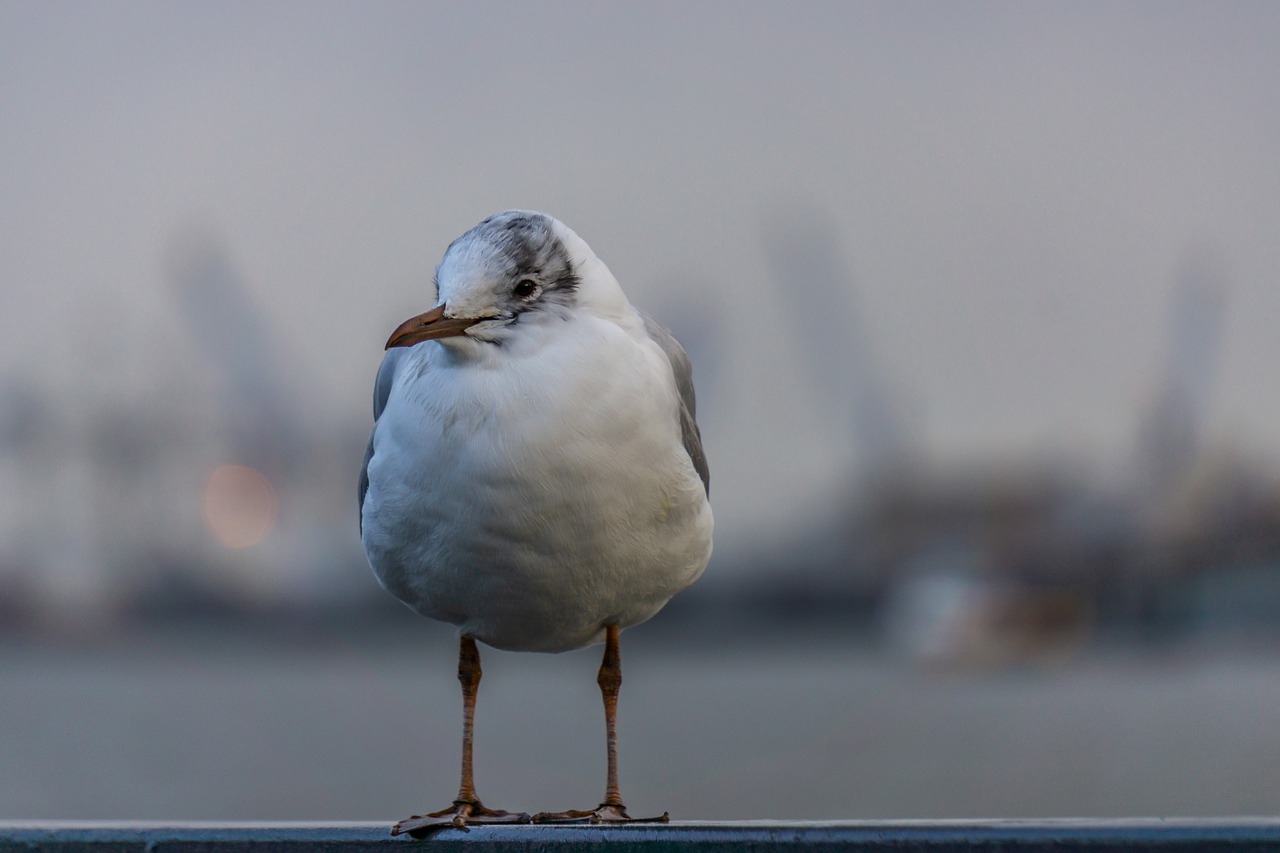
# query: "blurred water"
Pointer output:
{"type": "Point", "coordinates": [188, 725]}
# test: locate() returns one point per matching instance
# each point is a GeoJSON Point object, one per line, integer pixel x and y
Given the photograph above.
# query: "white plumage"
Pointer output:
{"type": "Point", "coordinates": [535, 475]}
{"type": "Point", "coordinates": [534, 490]}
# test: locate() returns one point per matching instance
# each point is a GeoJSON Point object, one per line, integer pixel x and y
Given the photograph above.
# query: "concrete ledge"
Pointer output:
{"type": "Point", "coordinates": [1006, 836]}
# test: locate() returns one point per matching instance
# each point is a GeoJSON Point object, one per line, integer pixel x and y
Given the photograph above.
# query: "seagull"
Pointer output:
{"type": "Point", "coordinates": [535, 475]}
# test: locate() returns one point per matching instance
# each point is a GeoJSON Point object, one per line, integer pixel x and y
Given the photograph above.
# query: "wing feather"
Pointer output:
{"type": "Point", "coordinates": [682, 370]}
{"type": "Point", "coordinates": [381, 391]}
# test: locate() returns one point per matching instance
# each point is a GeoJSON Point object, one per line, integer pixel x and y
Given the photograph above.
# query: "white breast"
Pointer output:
{"type": "Point", "coordinates": [534, 500]}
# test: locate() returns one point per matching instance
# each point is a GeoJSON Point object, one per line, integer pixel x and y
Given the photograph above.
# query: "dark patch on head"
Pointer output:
{"type": "Point", "coordinates": [527, 247]}
{"type": "Point", "coordinates": [494, 261]}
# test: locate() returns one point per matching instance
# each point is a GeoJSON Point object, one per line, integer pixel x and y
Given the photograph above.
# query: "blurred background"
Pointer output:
{"type": "Point", "coordinates": [981, 300]}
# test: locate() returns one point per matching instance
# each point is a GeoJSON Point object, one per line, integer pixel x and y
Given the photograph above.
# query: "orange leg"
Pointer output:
{"type": "Point", "coordinates": [611, 810]}
{"type": "Point", "coordinates": [467, 807]}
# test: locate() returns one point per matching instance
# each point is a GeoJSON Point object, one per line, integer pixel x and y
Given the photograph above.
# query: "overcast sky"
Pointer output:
{"type": "Point", "coordinates": [1013, 187]}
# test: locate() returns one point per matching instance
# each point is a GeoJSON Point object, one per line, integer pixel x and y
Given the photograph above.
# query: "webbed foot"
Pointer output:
{"type": "Point", "coordinates": [461, 814]}
{"type": "Point", "coordinates": [603, 813]}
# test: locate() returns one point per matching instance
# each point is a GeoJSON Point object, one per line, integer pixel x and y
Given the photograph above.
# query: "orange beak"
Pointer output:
{"type": "Point", "coordinates": [428, 327]}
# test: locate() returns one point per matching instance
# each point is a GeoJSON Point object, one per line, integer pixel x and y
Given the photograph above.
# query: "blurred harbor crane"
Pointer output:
{"type": "Point", "coordinates": [259, 405]}
{"type": "Point", "coordinates": [809, 269]}
{"type": "Point", "coordinates": [1169, 434]}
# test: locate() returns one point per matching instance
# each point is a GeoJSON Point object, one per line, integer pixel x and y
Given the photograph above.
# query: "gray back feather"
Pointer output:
{"type": "Point", "coordinates": [381, 391]}
{"type": "Point", "coordinates": [683, 372]}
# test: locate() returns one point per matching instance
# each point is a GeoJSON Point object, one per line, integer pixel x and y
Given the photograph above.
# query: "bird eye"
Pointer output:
{"type": "Point", "coordinates": [526, 288]}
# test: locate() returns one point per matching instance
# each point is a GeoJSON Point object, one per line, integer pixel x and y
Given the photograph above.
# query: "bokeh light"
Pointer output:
{"type": "Point", "coordinates": [239, 506]}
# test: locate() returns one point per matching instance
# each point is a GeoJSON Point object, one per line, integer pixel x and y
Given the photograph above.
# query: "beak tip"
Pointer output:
{"type": "Point", "coordinates": [429, 326]}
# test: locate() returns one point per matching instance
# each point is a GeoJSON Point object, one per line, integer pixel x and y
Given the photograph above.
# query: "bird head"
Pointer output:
{"type": "Point", "coordinates": [515, 274]}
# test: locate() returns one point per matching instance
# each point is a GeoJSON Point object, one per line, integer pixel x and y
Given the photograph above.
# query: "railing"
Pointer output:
{"type": "Point", "coordinates": [1006, 836]}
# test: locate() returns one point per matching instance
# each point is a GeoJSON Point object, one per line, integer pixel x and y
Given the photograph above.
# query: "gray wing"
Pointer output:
{"type": "Point", "coordinates": [381, 391]}
{"type": "Point", "coordinates": [683, 373]}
